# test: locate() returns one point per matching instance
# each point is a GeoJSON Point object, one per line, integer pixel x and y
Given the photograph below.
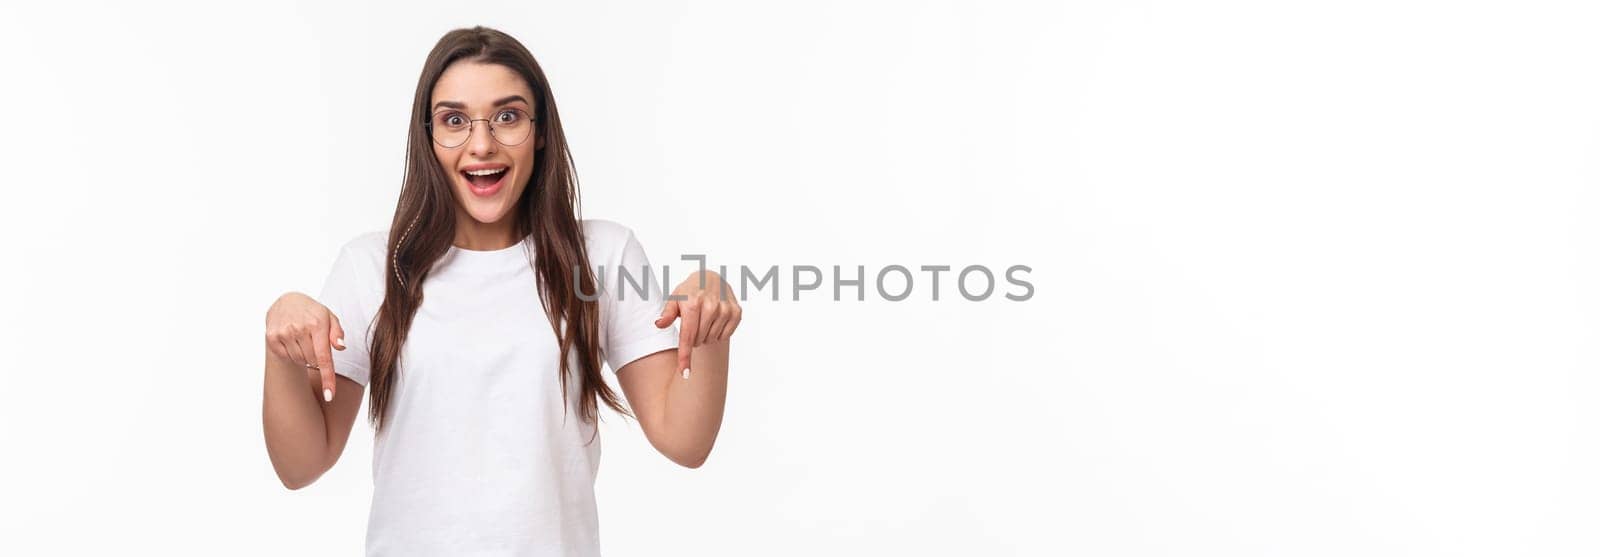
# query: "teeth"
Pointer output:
{"type": "Point", "coordinates": [486, 172]}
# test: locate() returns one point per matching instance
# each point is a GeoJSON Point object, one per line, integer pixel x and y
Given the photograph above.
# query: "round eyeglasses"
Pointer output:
{"type": "Point", "coordinates": [452, 128]}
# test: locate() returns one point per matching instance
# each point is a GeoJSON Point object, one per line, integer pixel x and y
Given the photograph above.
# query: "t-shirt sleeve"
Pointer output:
{"type": "Point", "coordinates": [631, 331]}
{"type": "Point", "coordinates": [347, 292]}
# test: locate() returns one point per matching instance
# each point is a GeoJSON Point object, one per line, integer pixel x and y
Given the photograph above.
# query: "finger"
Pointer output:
{"type": "Point", "coordinates": [300, 352]}
{"type": "Point", "coordinates": [336, 333]}
{"type": "Point", "coordinates": [713, 320]}
{"type": "Point", "coordinates": [668, 315]}
{"type": "Point", "coordinates": [710, 319]}
{"type": "Point", "coordinates": [686, 334]}
{"type": "Point", "coordinates": [319, 344]}
{"type": "Point", "coordinates": [732, 323]}
{"type": "Point", "coordinates": [276, 346]}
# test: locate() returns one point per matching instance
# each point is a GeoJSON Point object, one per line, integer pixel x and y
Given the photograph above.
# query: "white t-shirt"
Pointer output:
{"type": "Point", "coordinates": [477, 457]}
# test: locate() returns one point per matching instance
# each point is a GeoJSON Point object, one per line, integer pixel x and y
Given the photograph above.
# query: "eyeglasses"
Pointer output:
{"type": "Point", "coordinates": [452, 128]}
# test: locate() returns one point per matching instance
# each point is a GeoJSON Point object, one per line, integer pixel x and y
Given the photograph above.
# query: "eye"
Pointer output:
{"type": "Point", "coordinates": [508, 117]}
{"type": "Point", "coordinates": [452, 120]}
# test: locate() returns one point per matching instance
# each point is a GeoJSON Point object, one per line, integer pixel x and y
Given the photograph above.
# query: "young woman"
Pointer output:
{"type": "Point", "coordinates": [473, 322]}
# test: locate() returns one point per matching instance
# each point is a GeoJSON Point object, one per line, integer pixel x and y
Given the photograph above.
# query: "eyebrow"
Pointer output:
{"type": "Point", "coordinates": [462, 106]}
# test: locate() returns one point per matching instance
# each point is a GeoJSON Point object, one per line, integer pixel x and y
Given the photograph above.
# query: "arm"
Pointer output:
{"type": "Point", "coordinates": [681, 412]}
{"type": "Point", "coordinates": [304, 434]}
{"type": "Point", "coordinates": [680, 417]}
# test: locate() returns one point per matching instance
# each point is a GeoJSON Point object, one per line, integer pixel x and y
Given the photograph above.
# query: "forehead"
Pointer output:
{"type": "Point", "coordinates": [478, 84]}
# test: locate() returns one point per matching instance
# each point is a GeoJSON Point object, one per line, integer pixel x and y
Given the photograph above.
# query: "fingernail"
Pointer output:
{"type": "Point", "coordinates": [327, 395]}
{"type": "Point", "coordinates": [685, 373]}
{"type": "Point", "coordinates": [338, 342]}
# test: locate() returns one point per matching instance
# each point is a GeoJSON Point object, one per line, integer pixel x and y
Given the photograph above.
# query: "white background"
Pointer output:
{"type": "Point", "coordinates": [1311, 278]}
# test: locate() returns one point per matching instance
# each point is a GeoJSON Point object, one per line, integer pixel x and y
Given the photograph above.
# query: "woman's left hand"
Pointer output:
{"type": "Point", "coordinates": [709, 310]}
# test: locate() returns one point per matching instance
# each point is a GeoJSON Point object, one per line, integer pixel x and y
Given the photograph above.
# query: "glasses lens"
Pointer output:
{"type": "Point", "coordinates": [512, 127]}
{"type": "Point", "coordinates": [451, 129]}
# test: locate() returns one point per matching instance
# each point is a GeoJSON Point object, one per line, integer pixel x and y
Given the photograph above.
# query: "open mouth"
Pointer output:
{"type": "Point", "coordinates": [485, 181]}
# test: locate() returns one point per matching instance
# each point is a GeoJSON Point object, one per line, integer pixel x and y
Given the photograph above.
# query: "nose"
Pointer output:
{"type": "Point", "coordinates": [481, 142]}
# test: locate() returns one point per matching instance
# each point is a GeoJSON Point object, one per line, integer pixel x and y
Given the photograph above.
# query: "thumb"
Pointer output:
{"type": "Point", "coordinates": [336, 333]}
{"type": "Point", "coordinates": [668, 315]}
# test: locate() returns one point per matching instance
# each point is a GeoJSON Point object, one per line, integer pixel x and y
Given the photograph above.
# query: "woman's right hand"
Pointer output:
{"type": "Point", "coordinates": [300, 331]}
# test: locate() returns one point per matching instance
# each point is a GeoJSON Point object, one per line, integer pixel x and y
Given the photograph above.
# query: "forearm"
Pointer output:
{"type": "Point", "coordinates": [294, 424]}
{"type": "Point", "coordinates": [692, 413]}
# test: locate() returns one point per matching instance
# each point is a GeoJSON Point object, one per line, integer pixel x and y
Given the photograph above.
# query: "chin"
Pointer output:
{"type": "Point", "coordinates": [487, 215]}
{"type": "Point", "coordinates": [486, 210]}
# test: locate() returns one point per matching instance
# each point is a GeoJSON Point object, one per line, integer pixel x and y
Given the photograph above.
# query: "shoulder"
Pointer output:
{"type": "Point", "coordinates": [369, 240]}
{"type": "Point", "coordinates": [354, 286]}
{"type": "Point", "coordinates": [604, 239]}
{"type": "Point", "coordinates": [601, 231]}
{"type": "Point", "coordinates": [610, 243]}
{"type": "Point", "coordinates": [366, 251]}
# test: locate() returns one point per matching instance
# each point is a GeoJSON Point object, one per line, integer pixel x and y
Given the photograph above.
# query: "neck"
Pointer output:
{"type": "Point", "coordinates": [480, 236]}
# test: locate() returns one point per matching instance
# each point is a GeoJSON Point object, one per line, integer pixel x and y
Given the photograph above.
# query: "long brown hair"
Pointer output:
{"type": "Point", "coordinates": [424, 227]}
